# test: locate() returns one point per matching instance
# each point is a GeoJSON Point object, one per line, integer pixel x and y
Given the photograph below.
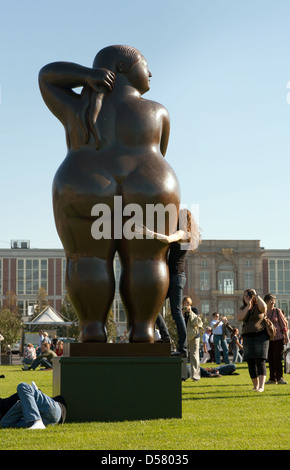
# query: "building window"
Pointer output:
{"type": "Point", "coordinates": [226, 282]}
{"type": "Point", "coordinates": [119, 311]}
{"type": "Point", "coordinates": [31, 275]}
{"type": "Point", "coordinates": [279, 276]}
{"type": "Point", "coordinates": [227, 308]}
{"type": "Point", "coordinates": [204, 263]}
{"type": "Point", "coordinates": [248, 280]}
{"type": "Point", "coordinates": [26, 307]}
{"type": "Point", "coordinates": [204, 280]}
{"type": "Point", "coordinates": [248, 263]}
{"type": "Point", "coordinates": [205, 307]}
{"type": "Point", "coordinates": [21, 307]}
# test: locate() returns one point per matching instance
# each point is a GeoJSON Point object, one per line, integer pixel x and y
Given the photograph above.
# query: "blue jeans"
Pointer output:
{"type": "Point", "coordinates": [40, 362]}
{"type": "Point", "coordinates": [32, 406]}
{"type": "Point", "coordinates": [163, 330]}
{"type": "Point", "coordinates": [237, 356]}
{"type": "Point", "coordinates": [223, 370]}
{"type": "Point", "coordinates": [219, 341]}
{"type": "Point", "coordinates": [175, 294]}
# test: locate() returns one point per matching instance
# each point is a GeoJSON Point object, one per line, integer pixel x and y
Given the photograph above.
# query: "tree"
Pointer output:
{"type": "Point", "coordinates": [171, 326]}
{"type": "Point", "coordinates": [11, 326]}
{"type": "Point", "coordinates": [10, 302]}
{"type": "Point", "coordinates": [41, 302]}
{"type": "Point", "coordinates": [74, 331]}
{"type": "Point", "coordinates": [111, 326]}
{"type": "Point", "coordinates": [69, 313]}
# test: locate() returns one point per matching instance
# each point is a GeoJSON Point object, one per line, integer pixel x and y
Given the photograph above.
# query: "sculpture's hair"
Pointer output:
{"type": "Point", "coordinates": [118, 59]}
{"type": "Point", "coordinates": [113, 57]}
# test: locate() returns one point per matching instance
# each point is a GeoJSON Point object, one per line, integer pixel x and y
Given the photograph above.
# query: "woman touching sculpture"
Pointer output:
{"type": "Point", "coordinates": [116, 143]}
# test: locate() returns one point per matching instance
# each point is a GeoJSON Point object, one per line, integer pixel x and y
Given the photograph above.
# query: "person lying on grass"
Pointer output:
{"type": "Point", "coordinates": [30, 408]}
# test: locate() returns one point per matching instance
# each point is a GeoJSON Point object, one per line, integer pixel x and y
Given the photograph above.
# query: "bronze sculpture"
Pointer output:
{"type": "Point", "coordinates": [116, 145]}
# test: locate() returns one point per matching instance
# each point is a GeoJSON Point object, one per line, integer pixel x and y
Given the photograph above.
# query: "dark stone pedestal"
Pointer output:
{"type": "Point", "coordinates": [121, 384]}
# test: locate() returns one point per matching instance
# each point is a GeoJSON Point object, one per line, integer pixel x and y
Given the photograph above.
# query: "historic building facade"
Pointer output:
{"type": "Point", "coordinates": [23, 271]}
{"type": "Point", "coordinates": [276, 277]}
{"type": "Point", "coordinates": [217, 274]}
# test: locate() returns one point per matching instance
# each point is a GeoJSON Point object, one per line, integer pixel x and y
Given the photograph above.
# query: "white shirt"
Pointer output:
{"type": "Point", "coordinates": [205, 339]}
{"type": "Point", "coordinates": [219, 329]}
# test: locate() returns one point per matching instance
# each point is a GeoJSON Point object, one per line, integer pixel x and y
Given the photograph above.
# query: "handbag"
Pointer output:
{"type": "Point", "coordinates": [271, 329]}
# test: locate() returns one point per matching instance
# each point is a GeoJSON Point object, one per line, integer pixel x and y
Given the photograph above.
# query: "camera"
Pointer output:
{"type": "Point", "coordinates": [250, 293]}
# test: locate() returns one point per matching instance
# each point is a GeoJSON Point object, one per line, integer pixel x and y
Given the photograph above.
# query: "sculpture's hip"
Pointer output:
{"type": "Point", "coordinates": [86, 178]}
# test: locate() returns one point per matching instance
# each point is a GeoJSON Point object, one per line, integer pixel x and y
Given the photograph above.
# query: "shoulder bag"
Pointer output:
{"type": "Point", "coordinates": [271, 329]}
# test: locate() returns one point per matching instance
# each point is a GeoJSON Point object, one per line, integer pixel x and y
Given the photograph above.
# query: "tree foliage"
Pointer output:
{"type": "Point", "coordinates": [69, 313]}
{"type": "Point", "coordinates": [41, 302]}
{"type": "Point", "coordinates": [11, 326]}
{"type": "Point", "coordinates": [112, 331]}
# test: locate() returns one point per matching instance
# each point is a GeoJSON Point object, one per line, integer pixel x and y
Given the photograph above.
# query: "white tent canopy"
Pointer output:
{"type": "Point", "coordinates": [49, 317]}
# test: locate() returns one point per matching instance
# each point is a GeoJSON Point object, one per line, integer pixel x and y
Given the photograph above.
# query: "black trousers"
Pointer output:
{"type": "Point", "coordinates": [256, 367]}
{"type": "Point", "coordinates": [7, 403]}
{"type": "Point", "coordinates": [275, 359]}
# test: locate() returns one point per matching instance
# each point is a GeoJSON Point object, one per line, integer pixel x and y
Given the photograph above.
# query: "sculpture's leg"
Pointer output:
{"type": "Point", "coordinates": [143, 287]}
{"type": "Point", "coordinates": [91, 287]}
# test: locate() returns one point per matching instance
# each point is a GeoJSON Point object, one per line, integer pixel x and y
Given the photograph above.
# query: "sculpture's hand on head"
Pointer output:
{"type": "Point", "coordinates": [101, 76]}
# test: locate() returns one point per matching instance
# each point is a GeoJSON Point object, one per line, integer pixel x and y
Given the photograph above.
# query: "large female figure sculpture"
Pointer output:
{"type": "Point", "coordinates": [116, 145]}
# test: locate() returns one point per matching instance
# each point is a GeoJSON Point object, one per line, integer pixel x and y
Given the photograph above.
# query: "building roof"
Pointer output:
{"type": "Point", "coordinates": [48, 316]}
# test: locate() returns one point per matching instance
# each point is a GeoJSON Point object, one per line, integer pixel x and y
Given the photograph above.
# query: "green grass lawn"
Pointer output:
{"type": "Point", "coordinates": [217, 414]}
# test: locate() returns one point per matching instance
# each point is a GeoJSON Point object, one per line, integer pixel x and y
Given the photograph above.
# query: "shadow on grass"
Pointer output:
{"type": "Point", "coordinates": [216, 396]}
{"type": "Point", "coordinates": [219, 385]}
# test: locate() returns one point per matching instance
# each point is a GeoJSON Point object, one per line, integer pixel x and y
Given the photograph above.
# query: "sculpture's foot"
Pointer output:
{"type": "Point", "coordinates": [141, 333]}
{"type": "Point", "coordinates": [94, 332]}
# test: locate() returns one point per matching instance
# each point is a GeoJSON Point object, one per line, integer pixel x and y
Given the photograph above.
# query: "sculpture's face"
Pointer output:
{"type": "Point", "coordinates": [139, 76]}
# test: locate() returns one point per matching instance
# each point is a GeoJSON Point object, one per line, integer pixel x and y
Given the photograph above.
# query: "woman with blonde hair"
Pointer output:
{"type": "Point", "coordinates": [185, 239]}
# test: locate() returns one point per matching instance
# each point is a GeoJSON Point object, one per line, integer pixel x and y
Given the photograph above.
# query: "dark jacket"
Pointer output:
{"type": "Point", "coordinates": [62, 404]}
{"type": "Point", "coordinates": [225, 327]}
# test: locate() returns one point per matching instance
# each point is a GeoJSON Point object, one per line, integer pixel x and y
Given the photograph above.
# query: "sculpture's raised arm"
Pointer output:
{"type": "Point", "coordinates": [58, 79]}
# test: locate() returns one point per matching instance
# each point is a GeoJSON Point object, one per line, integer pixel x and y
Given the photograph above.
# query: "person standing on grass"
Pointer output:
{"type": "Point", "coordinates": [277, 343]}
{"type": "Point", "coordinates": [193, 324]}
{"type": "Point", "coordinates": [206, 345]}
{"type": "Point", "coordinates": [40, 339]}
{"type": "Point", "coordinates": [219, 329]}
{"type": "Point", "coordinates": [255, 337]}
{"type": "Point", "coordinates": [236, 346]}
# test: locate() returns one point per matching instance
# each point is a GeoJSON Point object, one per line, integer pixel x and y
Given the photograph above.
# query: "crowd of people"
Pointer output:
{"type": "Point", "coordinates": [32, 409]}
{"type": "Point", "coordinates": [252, 345]}
{"type": "Point", "coordinates": [201, 343]}
{"type": "Point", "coordinates": [42, 354]}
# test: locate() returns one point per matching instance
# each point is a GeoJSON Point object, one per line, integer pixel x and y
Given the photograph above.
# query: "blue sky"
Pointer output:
{"type": "Point", "coordinates": [220, 67]}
